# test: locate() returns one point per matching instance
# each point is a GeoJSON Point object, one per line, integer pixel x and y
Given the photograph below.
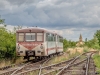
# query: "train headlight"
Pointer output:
{"type": "Point", "coordinates": [41, 47]}
{"type": "Point", "coordinates": [39, 51]}
{"type": "Point", "coordinates": [18, 47]}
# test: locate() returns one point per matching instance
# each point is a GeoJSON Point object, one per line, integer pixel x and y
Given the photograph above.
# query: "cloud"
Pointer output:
{"type": "Point", "coordinates": [68, 17]}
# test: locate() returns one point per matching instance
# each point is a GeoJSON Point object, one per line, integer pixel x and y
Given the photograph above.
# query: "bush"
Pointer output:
{"type": "Point", "coordinates": [97, 61]}
{"type": "Point", "coordinates": [7, 44]}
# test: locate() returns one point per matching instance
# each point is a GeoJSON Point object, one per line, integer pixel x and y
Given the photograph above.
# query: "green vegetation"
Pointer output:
{"type": "Point", "coordinates": [7, 42]}
{"type": "Point", "coordinates": [85, 49]}
{"type": "Point", "coordinates": [67, 44]}
{"type": "Point", "coordinates": [96, 58]}
{"type": "Point", "coordinates": [95, 42]}
{"type": "Point", "coordinates": [97, 34]}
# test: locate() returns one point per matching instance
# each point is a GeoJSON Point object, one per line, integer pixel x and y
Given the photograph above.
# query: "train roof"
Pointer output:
{"type": "Point", "coordinates": [36, 29]}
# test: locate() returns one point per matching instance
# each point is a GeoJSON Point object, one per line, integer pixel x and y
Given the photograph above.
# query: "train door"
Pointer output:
{"type": "Point", "coordinates": [48, 35]}
{"type": "Point", "coordinates": [56, 44]}
{"type": "Point", "coordinates": [50, 43]}
{"type": "Point", "coordinates": [47, 43]}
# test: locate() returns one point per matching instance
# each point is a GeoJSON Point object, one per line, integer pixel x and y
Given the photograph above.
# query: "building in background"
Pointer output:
{"type": "Point", "coordinates": [80, 42]}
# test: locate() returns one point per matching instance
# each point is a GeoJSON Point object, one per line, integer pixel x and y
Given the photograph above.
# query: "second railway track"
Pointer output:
{"type": "Point", "coordinates": [83, 67]}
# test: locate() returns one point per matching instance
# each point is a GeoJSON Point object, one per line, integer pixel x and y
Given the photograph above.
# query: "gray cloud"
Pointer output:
{"type": "Point", "coordinates": [21, 2]}
{"type": "Point", "coordinates": [56, 14]}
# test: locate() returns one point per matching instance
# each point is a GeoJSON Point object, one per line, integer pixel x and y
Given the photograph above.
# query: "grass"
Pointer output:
{"type": "Point", "coordinates": [61, 58]}
{"type": "Point", "coordinates": [57, 59]}
{"type": "Point", "coordinates": [73, 55]}
{"type": "Point", "coordinates": [34, 73]}
{"type": "Point", "coordinates": [85, 50]}
{"type": "Point", "coordinates": [7, 62]}
{"type": "Point", "coordinates": [96, 58]}
{"type": "Point", "coordinates": [4, 62]}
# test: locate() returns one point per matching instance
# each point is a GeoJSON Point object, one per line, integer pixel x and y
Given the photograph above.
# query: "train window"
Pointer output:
{"type": "Point", "coordinates": [39, 36]}
{"type": "Point", "coordinates": [54, 38]}
{"type": "Point", "coordinates": [30, 36]}
{"type": "Point", "coordinates": [58, 38]}
{"type": "Point", "coordinates": [61, 39]}
{"type": "Point", "coordinates": [50, 37]}
{"type": "Point", "coordinates": [47, 36]}
{"type": "Point", "coordinates": [21, 37]}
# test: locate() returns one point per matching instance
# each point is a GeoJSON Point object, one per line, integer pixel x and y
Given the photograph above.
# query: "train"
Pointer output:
{"type": "Point", "coordinates": [38, 42]}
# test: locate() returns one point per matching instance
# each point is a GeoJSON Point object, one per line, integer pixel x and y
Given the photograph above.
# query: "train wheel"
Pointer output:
{"type": "Point", "coordinates": [28, 58]}
{"type": "Point", "coordinates": [39, 58]}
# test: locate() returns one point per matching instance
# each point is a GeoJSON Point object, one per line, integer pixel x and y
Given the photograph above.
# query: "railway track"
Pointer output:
{"type": "Point", "coordinates": [55, 69]}
{"type": "Point", "coordinates": [83, 67]}
{"type": "Point", "coordinates": [80, 65]}
{"type": "Point", "coordinates": [39, 71]}
{"type": "Point", "coordinates": [42, 70]}
{"type": "Point", "coordinates": [26, 66]}
{"type": "Point", "coordinates": [75, 66]}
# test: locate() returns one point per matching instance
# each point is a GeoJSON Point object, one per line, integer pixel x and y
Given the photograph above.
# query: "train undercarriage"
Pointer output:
{"type": "Point", "coordinates": [40, 57]}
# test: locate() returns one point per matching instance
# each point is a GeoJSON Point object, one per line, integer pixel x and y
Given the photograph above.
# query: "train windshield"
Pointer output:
{"type": "Point", "coordinates": [39, 36]}
{"type": "Point", "coordinates": [30, 36]}
{"type": "Point", "coordinates": [21, 37]}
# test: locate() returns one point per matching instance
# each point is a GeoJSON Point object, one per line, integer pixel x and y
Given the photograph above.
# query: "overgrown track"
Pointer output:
{"type": "Point", "coordinates": [80, 65]}
{"type": "Point", "coordinates": [83, 67]}
{"type": "Point", "coordinates": [45, 70]}
{"type": "Point", "coordinates": [26, 66]}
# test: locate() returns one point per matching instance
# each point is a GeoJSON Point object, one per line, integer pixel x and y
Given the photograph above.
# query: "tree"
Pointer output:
{"type": "Point", "coordinates": [97, 34]}
{"type": "Point", "coordinates": [68, 43]}
{"type": "Point", "coordinates": [93, 43]}
{"type": "Point", "coordinates": [7, 42]}
{"type": "Point", "coordinates": [17, 28]}
{"type": "Point", "coordinates": [2, 21]}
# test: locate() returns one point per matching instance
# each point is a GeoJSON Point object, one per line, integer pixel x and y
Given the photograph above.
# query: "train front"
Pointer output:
{"type": "Point", "coordinates": [29, 42]}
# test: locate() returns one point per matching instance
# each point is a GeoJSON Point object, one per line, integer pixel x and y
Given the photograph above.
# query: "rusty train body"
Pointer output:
{"type": "Point", "coordinates": [37, 42]}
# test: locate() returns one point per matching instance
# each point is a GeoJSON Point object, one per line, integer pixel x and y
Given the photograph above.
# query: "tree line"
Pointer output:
{"type": "Point", "coordinates": [95, 41]}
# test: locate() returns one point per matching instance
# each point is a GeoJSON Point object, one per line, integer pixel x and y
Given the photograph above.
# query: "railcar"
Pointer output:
{"type": "Point", "coordinates": [37, 42]}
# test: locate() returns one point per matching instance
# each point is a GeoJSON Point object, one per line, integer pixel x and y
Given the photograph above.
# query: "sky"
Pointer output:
{"type": "Point", "coordinates": [69, 18]}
